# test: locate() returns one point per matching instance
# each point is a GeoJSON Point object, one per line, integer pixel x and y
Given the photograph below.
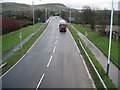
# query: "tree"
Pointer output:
{"type": "Point", "coordinates": [88, 16]}
{"type": "Point", "coordinates": [65, 15]}
{"type": "Point", "coordinates": [40, 14]}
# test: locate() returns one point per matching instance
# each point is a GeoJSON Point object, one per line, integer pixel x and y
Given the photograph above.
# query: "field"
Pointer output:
{"type": "Point", "coordinates": [102, 43]}
{"type": "Point", "coordinates": [11, 39]}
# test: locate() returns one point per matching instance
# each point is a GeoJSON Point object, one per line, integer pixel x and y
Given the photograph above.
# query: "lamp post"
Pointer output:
{"type": "Point", "coordinates": [46, 13]}
{"type": "Point", "coordinates": [33, 15]}
{"type": "Point", "coordinates": [70, 17]}
{"type": "Point", "coordinates": [110, 37]}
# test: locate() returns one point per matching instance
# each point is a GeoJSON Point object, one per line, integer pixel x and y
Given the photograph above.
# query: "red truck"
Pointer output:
{"type": "Point", "coordinates": [63, 26]}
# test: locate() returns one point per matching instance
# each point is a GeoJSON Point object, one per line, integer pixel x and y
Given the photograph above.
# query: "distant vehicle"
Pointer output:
{"type": "Point", "coordinates": [63, 26]}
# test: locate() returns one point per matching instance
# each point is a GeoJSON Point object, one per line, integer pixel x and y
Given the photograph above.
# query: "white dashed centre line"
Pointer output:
{"type": "Point", "coordinates": [49, 61]}
{"type": "Point", "coordinates": [56, 37]}
{"type": "Point", "coordinates": [55, 42]}
{"type": "Point", "coordinates": [54, 49]}
{"type": "Point", "coordinates": [40, 81]}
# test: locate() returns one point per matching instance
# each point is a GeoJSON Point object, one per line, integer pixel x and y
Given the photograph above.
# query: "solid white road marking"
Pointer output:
{"type": "Point", "coordinates": [83, 62]}
{"type": "Point", "coordinates": [13, 66]}
{"type": "Point", "coordinates": [40, 81]}
{"type": "Point", "coordinates": [36, 41]}
{"type": "Point", "coordinates": [24, 54]}
{"type": "Point", "coordinates": [54, 49]}
{"type": "Point", "coordinates": [49, 61]}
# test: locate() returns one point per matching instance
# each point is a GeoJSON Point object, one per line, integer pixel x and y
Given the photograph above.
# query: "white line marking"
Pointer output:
{"type": "Point", "coordinates": [40, 81]}
{"type": "Point", "coordinates": [94, 85]}
{"type": "Point", "coordinates": [13, 66]}
{"type": "Point", "coordinates": [36, 41]}
{"type": "Point", "coordinates": [23, 55]}
{"type": "Point", "coordinates": [54, 49]}
{"type": "Point", "coordinates": [86, 67]}
{"type": "Point", "coordinates": [49, 61]}
{"type": "Point", "coordinates": [55, 42]}
{"type": "Point", "coordinates": [83, 62]}
{"type": "Point", "coordinates": [56, 37]}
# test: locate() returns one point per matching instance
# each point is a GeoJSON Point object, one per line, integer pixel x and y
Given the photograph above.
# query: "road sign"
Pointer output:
{"type": "Point", "coordinates": [39, 19]}
{"type": "Point", "coordinates": [71, 18]}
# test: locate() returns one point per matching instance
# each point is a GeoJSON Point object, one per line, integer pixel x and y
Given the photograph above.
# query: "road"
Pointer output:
{"type": "Point", "coordinates": [53, 62]}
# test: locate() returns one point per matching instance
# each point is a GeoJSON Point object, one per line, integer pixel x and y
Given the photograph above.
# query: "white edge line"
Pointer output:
{"type": "Point", "coordinates": [13, 66]}
{"type": "Point", "coordinates": [94, 67]}
{"type": "Point", "coordinates": [49, 61]}
{"type": "Point", "coordinates": [54, 49]}
{"type": "Point", "coordinates": [83, 62]}
{"type": "Point", "coordinates": [40, 81]}
{"type": "Point", "coordinates": [22, 56]}
{"type": "Point", "coordinates": [36, 40]}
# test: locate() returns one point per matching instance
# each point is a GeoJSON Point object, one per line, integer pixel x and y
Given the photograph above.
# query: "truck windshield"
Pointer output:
{"type": "Point", "coordinates": [62, 25]}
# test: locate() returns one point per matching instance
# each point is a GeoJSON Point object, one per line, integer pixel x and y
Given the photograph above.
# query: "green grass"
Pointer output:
{"type": "Point", "coordinates": [11, 39]}
{"type": "Point", "coordinates": [102, 43]}
{"type": "Point", "coordinates": [100, 69]}
{"type": "Point", "coordinates": [18, 54]}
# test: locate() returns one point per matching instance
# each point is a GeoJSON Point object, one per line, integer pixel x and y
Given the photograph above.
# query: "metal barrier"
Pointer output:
{"type": "Point", "coordinates": [93, 66]}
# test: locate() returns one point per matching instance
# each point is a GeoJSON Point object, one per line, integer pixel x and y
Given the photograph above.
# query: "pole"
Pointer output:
{"type": "Point", "coordinates": [33, 15]}
{"type": "Point", "coordinates": [46, 13]}
{"type": "Point", "coordinates": [70, 16]}
{"type": "Point", "coordinates": [21, 42]}
{"type": "Point", "coordinates": [20, 36]}
{"type": "Point", "coordinates": [60, 13]}
{"type": "Point", "coordinates": [110, 37]}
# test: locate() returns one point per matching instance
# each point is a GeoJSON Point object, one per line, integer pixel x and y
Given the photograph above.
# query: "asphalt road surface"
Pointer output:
{"type": "Point", "coordinates": [53, 62]}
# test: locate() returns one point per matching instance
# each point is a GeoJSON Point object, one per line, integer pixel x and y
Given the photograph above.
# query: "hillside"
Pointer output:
{"type": "Point", "coordinates": [25, 7]}
{"type": "Point", "coordinates": [55, 6]}
{"type": "Point", "coordinates": [15, 6]}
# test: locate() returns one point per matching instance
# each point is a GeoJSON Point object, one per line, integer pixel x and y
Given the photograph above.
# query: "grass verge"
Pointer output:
{"type": "Point", "coordinates": [11, 39]}
{"type": "Point", "coordinates": [18, 54]}
{"type": "Point", "coordinates": [100, 69]}
{"type": "Point", "coordinates": [102, 43]}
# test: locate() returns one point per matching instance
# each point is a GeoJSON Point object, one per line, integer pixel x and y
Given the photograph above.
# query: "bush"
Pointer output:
{"type": "Point", "coordinates": [9, 25]}
{"type": "Point", "coordinates": [25, 23]}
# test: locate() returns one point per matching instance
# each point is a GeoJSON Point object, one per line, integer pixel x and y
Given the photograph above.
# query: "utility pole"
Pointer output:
{"type": "Point", "coordinates": [46, 13]}
{"type": "Point", "coordinates": [33, 15]}
{"type": "Point", "coordinates": [110, 37]}
{"type": "Point", "coordinates": [60, 13]}
{"type": "Point", "coordinates": [70, 17]}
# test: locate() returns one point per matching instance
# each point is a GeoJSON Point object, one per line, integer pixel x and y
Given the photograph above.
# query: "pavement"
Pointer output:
{"type": "Point", "coordinates": [54, 61]}
{"type": "Point", "coordinates": [114, 71]}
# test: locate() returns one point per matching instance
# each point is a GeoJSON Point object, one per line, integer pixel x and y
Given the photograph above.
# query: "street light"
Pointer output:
{"type": "Point", "coordinates": [70, 17]}
{"type": "Point", "coordinates": [33, 15]}
{"type": "Point", "coordinates": [110, 37]}
{"type": "Point", "coordinates": [46, 13]}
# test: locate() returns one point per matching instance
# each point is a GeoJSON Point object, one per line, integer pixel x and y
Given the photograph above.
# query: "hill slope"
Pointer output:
{"type": "Point", "coordinates": [18, 6]}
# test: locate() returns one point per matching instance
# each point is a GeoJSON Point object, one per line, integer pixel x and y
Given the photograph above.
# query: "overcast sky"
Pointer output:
{"type": "Point", "coordinates": [78, 4]}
